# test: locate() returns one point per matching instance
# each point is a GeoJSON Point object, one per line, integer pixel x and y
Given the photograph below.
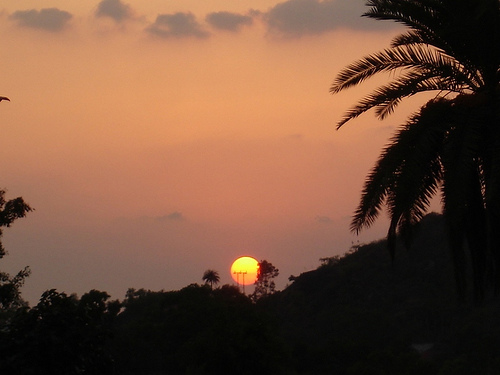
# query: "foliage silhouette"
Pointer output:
{"type": "Point", "coordinates": [452, 144]}
{"type": "Point", "coordinates": [60, 335]}
{"type": "Point", "coordinates": [211, 277]}
{"type": "Point", "coordinates": [10, 211]}
{"type": "Point", "coordinates": [366, 314]}
{"type": "Point", "coordinates": [356, 314]}
{"type": "Point", "coordinates": [194, 330]}
{"type": "Point", "coordinates": [265, 285]}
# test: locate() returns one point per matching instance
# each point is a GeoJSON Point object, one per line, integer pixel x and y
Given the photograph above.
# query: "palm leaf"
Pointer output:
{"type": "Point", "coordinates": [421, 17]}
{"type": "Point", "coordinates": [415, 57]}
{"type": "Point", "coordinates": [409, 163]}
{"type": "Point", "coordinates": [420, 174]}
{"type": "Point", "coordinates": [387, 60]}
{"type": "Point", "coordinates": [386, 98]}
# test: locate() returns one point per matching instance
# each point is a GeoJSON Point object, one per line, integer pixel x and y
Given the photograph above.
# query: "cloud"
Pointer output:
{"type": "Point", "coordinates": [228, 21]}
{"type": "Point", "coordinates": [323, 219]}
{"type": "Point", "coordinates": [177, 25]}
{"type": "Point", "coordinates": [114, 9]}
{"type": "Point", "coordinates": [51, 19]}
{"type": "Point", "coordinates": [296, 18]}
{"type": "Point", "coordinates": [174, 216]}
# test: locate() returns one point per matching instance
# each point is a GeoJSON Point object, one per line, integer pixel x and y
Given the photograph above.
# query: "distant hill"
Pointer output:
{"type": "Point", "coordinates": [362, 311]}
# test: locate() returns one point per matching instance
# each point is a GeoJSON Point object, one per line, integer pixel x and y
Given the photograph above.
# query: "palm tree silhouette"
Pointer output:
{"type": "Point", "coordinates": [211, 277]}
{"type": "Point", "coordinates": [452, 144]}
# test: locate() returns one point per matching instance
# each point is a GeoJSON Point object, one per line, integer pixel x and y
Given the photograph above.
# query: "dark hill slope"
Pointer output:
{"type": "Point", "coordinates": [361, 309]}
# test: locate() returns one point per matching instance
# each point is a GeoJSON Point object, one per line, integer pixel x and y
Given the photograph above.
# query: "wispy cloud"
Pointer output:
{"type": "Point", "coordinates": [114, 9]}
{"type": "Point", "coordinates": [51, 19]}
{"type": "Point", "coordinates": [228, 21]}
{"type": "Point", "coordinates": [177, 25]}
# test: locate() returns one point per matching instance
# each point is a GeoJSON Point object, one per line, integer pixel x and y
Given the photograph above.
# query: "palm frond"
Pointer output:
{"type": "Point", "coordinates": [426, 71]}
{"type": "Point", "coordinates": [407, 175]}
{"type": "Point", "coordinates": [386, 98]}
{"type": "Point", "coordinates": [409, 163]}
{"type": "Point", "coordinates": [410, 37]}
{"type": "Point", "coordinates": [421, 17]}
{"type": "Point", "coordinates": [415, 57]}
{"type": "Point", "coordinates": [409, 12]}
{"type": "Point", "coordinates": [441, 24]}
{"type": "Point", "coordinates": [421, 173]}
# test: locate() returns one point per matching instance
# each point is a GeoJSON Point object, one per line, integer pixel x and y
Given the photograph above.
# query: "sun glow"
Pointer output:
{"type": "Point", "coordinates": [244, 270]}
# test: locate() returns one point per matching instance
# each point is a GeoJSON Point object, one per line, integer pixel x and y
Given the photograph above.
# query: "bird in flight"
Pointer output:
{"type": "Point", "coordinates": [4, 98]}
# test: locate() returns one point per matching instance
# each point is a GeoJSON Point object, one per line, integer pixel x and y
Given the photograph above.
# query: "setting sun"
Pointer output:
{"type": "Point", "coordinates": [244, 270]}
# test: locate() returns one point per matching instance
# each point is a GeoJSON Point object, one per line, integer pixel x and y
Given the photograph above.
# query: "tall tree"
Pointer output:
{"type": "Point", "coordinates": [452, 144]}
{"type": "Point", "coordinates": [265, 285]}
{"type": "Point", "coordinates": [211, 277]}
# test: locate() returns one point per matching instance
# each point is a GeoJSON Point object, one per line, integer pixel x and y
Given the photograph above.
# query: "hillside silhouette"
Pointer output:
{"type": "Point", "coordinates": [364, 314]}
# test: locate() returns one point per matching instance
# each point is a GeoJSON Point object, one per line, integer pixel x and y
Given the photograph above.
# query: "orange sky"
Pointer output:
{"type": "Point", "coordinates": [159, 139]}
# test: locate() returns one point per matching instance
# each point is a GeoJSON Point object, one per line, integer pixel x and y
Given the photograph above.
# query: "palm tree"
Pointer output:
{"type": "Point", "coordinates": [211, 277]}
{"type": "Point", "coordinates": [452, 144]}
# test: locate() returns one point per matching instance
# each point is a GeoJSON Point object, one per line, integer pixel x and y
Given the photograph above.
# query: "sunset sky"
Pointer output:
{"type": "Point", "coordinates": [157, 139]}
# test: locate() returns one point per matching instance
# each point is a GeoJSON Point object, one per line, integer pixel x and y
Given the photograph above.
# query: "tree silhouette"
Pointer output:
{"type": "Point", "coordinates": [211, 277]}
{"type": "Point", "coordinates": [9, 285]}
{"type": "Point", "coordinates": [452, 144]}
{"type": "Point", "coordinates": [264, 285]}
{"type": "Point", "coordinates": [60, 335]}
{"type": "Point", "coordinates": [194, 330]}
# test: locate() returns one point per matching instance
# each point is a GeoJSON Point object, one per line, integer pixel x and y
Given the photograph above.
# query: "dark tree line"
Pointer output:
{"type": "Point", "coordinates": [62, 334]}
{"type": "Point", "coordinates": [196, 330]}
{"type": "Point", "coordinates": [354, 314]}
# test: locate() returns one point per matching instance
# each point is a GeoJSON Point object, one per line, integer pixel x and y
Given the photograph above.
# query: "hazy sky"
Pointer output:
{"type": "Point", "coordinates": [157, 139]}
